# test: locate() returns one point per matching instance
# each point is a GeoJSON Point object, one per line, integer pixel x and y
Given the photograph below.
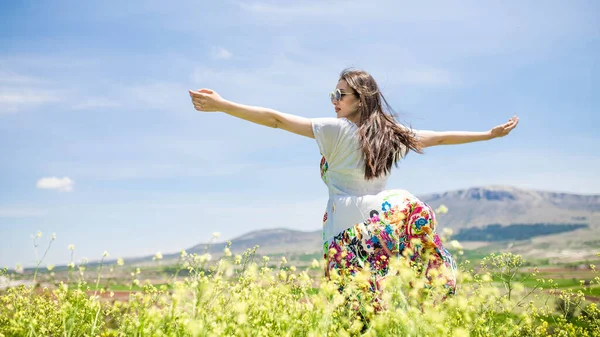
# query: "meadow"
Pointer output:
{"type": "Point", "coordinates": [249, 294]}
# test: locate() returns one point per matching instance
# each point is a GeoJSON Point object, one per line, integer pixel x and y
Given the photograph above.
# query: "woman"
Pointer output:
{"type": "Point", "coordinates": [364, 224]}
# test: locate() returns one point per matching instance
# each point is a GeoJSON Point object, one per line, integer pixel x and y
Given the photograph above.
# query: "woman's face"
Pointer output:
{"type": "Point", "coordinates": [347, 105]}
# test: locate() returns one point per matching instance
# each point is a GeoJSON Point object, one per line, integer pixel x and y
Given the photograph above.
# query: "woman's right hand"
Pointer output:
{"type": "Point", "coordinates": [207, 100]}
{"type": "Point", "coordinates": [504, 129]}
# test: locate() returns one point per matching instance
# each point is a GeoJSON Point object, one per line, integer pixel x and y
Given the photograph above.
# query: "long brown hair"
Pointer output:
{"type": "Point", "coordinates": [382, 138]}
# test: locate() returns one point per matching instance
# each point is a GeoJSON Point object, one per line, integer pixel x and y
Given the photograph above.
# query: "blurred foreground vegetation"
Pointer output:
{"type": "Point", "coordinates": [241, 295]}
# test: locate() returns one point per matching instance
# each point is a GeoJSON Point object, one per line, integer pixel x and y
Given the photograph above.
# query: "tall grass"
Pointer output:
{"type": "Point", "coordinates": [243, 296]}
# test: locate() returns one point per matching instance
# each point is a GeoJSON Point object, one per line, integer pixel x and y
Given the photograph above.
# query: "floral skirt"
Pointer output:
{"type": "Point", "coordinates": [402, 228]}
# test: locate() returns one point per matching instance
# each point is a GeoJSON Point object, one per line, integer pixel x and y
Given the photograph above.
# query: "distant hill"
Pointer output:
{"type": "Point", "coordinates": [271, 241]}
{"type": "Point", "coordinates": [543, 216]}
{"type": "Point", "coordinates": [505, 205]}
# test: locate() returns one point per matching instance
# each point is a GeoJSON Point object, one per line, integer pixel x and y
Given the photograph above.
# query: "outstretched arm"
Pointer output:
{"type": "Point", "coordinates": [208, 100]}
{"type": "Point", "coordinates": [433, 138]}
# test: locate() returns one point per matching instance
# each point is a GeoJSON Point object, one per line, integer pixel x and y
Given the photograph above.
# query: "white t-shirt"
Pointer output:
{"type": "Point", "coordinates": [351, 197]}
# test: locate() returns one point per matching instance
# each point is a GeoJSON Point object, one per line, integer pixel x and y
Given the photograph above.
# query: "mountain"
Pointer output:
{"type": "Point", "coordinates": [505, 205]}
{"type": "Point", "coordinates": [478, 208]}
{"type": "Point", "coordinates": [271, 241]}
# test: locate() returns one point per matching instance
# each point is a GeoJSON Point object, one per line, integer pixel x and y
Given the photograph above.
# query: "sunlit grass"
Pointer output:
{"type": "Point", "coordinates": [260, 296]}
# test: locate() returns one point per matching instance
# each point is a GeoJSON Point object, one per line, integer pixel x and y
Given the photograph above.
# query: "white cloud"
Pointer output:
{"type": "Point", "coordinates": [220, 53]}
{"type": "Point", "coordinates": [427, 77]}
{"type": "Point", "coordinates": [146, 169]}
{"type": "Point", "coordinates": [64, 184]}
{"type": "Point", "coordinates": [414, 75]}
{"type": "Point", "coordinates": [297, 10]}
{"type": "Point", "coordinates": [13, 78]}
{"type": "Point", "coordinates": [17, 100]}
{"type": "Point", "coordinates": [94, 103]}
{"type": "Point", "coordinates": [161, 95]}
{"type": "Point", "coordinates": [21, 212]}
{"type": "Point", "coordinates": [22, 88]}
{"type": "Point", "coordinates": [354, 10]}
{"type": "Point", "coordinates": [280, 79]}
{"type": "Point", "coordinates": [37, 61]}
{"type": "Point", "coordinates": [434, 28]}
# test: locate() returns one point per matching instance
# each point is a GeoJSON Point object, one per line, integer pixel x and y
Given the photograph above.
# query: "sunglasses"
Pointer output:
{"type": "Point", "coordinates": [337, 95]}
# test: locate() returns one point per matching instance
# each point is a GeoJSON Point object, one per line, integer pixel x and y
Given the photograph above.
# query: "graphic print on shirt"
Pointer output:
{"type": "Point", "coordinates": [324, 167]}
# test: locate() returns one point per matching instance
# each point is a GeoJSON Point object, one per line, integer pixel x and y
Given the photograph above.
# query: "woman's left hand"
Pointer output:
{"type": "Point", "coordinates": [506, 128]}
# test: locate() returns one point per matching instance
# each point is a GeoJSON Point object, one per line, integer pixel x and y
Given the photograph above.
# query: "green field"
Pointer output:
{"type": "Point", "coordinates": [270, 296]}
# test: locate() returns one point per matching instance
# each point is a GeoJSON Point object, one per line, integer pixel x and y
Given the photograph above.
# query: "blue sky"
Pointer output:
{"type": "Point", "coordinates": [100, 144]}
